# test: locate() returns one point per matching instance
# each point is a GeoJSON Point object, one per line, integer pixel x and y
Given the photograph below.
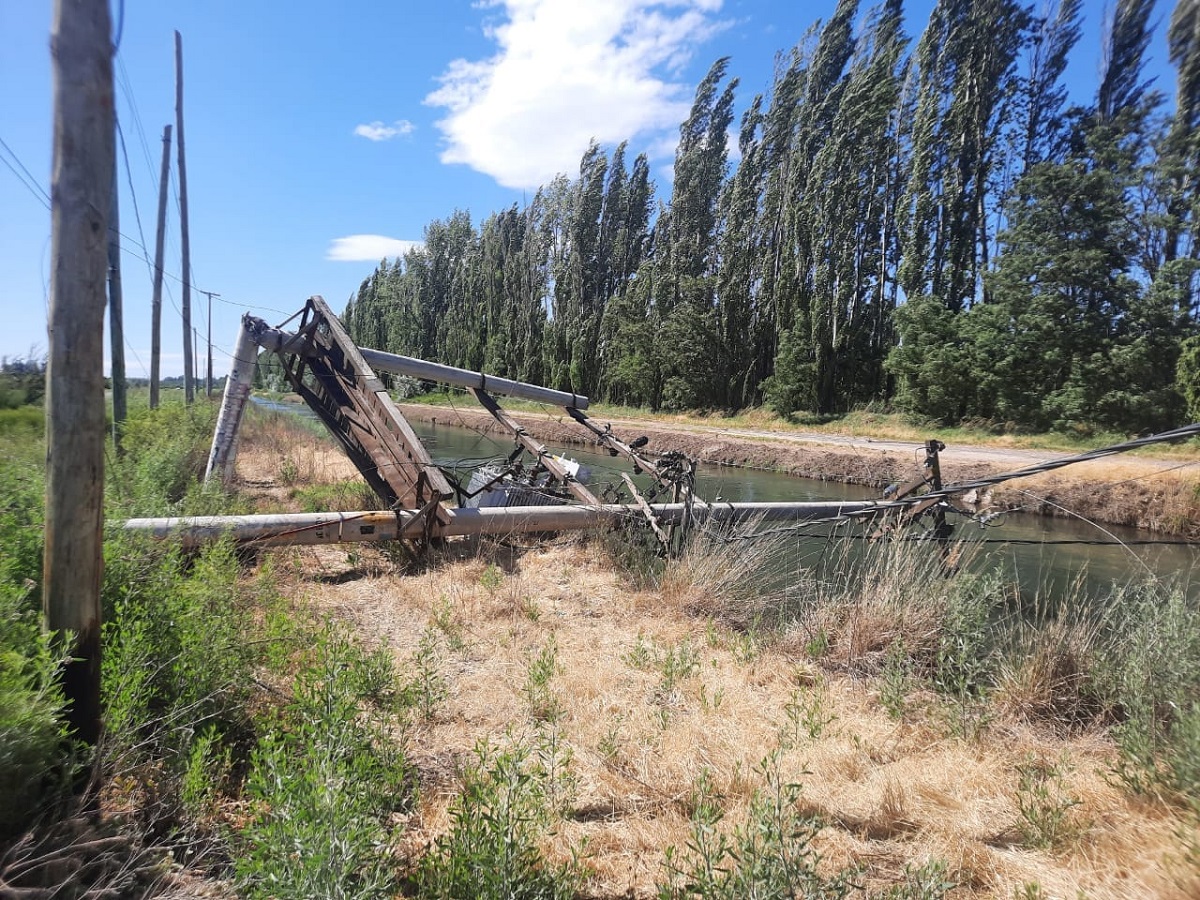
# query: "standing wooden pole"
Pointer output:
{"type": "Point", "coordinates": [116, 323]}
{"type": "Point", "coordinates": [189, 370]}
{"type": "Point", "coordinates": [209, 379]}
{"type": "Point", "coordinates": [156, 302]}
{"type": "Point", "coordinates": [81, 51]}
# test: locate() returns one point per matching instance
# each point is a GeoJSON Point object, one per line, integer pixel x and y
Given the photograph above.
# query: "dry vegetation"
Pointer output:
{"type": "Point", "coordinates": [651, 699]}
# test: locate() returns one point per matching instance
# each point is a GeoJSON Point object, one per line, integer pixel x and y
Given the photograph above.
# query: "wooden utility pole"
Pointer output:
{"type": "Point", "coordinates": [81, 190]}
{"type": "Point", "coordinates": [209, 380]}
{"type": "Point", "coordinates": [116, 323]}
{"type": "Point", "coordinates": [189, 370]}
{"type": "Point", "coordinates": [156, 301]}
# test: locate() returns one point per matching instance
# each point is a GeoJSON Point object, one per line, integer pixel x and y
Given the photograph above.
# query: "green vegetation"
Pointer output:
{"type": "Point", "coordinates": [921, 223]}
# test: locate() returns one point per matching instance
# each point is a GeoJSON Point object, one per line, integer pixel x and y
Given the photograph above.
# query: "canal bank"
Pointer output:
{"type": "Point", "coordinates": [1136, 491]}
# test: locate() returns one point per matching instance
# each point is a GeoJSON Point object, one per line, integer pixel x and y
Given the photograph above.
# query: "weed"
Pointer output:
{"type": "Point", "coordinates": [770, 855]}
{"type": "Point", "coordinates": [544, 704]}
{"type": "Point", "coordinates": [895, 681]}
{"type": "Point", "coordinates": [924, 882]}
{"type": "Point", "coordinates": [320, 788]}
{"type": "Point", "coordinates": [1044, 805]}
{"type": "Point", "coordinates": [426, 690]}
{"type": "Point", "coordinates": [610, 743]}
{"type": "Point", "coordinates": [446, 620]}
{"type": "Point", "coordinates": [807, 713]}
{"type": "Point", "coordinates": [497, 821]}
{"type": "Point", "coordinates": [674, 665]}
{"type": "Point", "coordinates": [492, 578]}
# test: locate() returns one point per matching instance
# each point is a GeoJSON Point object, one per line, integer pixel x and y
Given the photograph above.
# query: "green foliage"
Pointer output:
{"type": "Point", "coordinates": [1187, 379]}
{"type": "Point", "coordinates": [33, 736]}
{"type": "Point", "coordinates": [22, 382]}
{"type": "Point", "coordinates": [1044, 805]}
{"type": "Point", "coordinates": [544, 705]}
{"type": "Point", "coordinates": [165, 453]}
{"type": "Point", "coordinates": [426, 689]}
{"type": "Point", "coordinates": [1148, 670]}
{"type": "Point", "coordinates": [497, 821]}
{"type": "Point", "coordinates": [321, 784]}
{"type": "Point", "coordinates": [770, 855]}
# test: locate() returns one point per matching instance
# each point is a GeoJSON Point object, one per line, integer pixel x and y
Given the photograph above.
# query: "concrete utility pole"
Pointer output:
{"type": "Point", "coordinates": [189, 368]}
{"type": "Point", "coordinates": [116, 323]}
{"type": "Point", "coordinates": [156, 302]}
{"type": "Point", "coordinates": [81, 189]}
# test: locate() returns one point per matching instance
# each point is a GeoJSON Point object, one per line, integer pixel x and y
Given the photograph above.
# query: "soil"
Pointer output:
{"type": "Point", "coordinates": [1140, 491]}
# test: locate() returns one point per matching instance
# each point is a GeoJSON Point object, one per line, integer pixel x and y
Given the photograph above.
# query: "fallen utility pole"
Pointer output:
{"type": "Point", "coordinates": [375, 525]}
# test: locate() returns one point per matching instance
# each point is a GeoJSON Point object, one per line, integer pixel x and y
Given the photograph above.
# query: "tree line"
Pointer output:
{"type": "Point", "coordinates": [929, 225]}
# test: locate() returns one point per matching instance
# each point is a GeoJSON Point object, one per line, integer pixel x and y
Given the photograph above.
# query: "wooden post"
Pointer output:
{"type": "Point", "coordinates": [189, 369]}
{"type": "Point", "coordinates": [116, 323]}
{"type": "Point", "coordinates": [81, 190]}
{"type": "Point", "coordinates": [156, 302]}
{"type": "Point", "coordinates": [208, 378]}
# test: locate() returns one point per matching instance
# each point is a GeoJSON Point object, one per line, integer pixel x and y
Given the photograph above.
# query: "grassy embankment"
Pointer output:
{"type": "Point", "coordinates": [572, 719]}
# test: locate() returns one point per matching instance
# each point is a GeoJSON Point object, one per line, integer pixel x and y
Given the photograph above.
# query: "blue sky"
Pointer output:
{"type": "Point", "coordinates": [322, 136]}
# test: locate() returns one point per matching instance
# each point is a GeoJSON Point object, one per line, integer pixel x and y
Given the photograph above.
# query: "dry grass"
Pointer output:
{"type": "Point", "coordinates": [653, 686]}
{"type": "Point", "coordinates": [890, 792]}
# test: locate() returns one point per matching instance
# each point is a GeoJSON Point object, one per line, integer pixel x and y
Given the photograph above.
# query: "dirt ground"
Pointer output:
{"type": "Point", "coordinates": [646, 696]}
{"type": "Point", "coordinates": [1160, 494]}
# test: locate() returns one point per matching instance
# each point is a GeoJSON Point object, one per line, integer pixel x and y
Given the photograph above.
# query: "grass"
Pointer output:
{"type": "Point", "coordinates": [541, 723]}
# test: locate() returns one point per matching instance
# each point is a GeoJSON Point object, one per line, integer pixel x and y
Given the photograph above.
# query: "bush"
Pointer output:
{"type": "Point", "coordinates": [491, 850]}
{"type": "Point", "coordinates": [321, 783]}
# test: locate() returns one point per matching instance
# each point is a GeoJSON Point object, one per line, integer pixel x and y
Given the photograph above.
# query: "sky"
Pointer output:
{"type": "Point", "coordinates": [321, 137]}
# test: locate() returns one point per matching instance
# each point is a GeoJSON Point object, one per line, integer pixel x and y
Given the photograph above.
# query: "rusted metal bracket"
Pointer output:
{"type": "Point", "coordinates": [539, 452]}
{"type": "Point", "coordinates": [328, 371]}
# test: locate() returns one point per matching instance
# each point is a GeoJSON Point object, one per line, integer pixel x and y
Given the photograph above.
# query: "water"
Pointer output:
{"type": "Point", "coordinates": [1041, 567]}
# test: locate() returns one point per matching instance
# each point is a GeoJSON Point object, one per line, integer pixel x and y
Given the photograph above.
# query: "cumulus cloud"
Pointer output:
{"type": "Point", "coordinates": [368, 248]}
{"type": "Point", "coordinates": [378, 131]}
{"type": "Point", "coordinates": [566, 72]}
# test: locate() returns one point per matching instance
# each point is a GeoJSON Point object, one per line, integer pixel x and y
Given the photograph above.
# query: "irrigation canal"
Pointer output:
{"type": "Point", "coordinates": [1029, 549]}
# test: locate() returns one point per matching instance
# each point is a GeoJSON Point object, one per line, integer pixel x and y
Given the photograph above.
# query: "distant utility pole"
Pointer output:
{"type": "Point", "coordinates": [189, 369]}
{"type": "Point", "coordinates": [81, 189]}
{"type": "Point", "coordinates": [156, 301]}
{"type": "Point", "coordinates": [209, 295]}
{"type": "Point", "coordinates": [116, 324]}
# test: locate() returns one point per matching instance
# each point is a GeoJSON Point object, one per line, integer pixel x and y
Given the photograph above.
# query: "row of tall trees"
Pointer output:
{"type": "Point", "coordinates": [932, 225]}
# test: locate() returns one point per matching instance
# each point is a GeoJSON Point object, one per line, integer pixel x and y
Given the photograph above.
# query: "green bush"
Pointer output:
{"type": "Point", "coordinates": [1148, 670]}
{"type": "Point", "coordinates": [321, 783]}
{"type": "Point", "coordinates": [33, 736]}
{"type": "Point", "coordinates": [492, 849]}
{"type": "Point", "coordinates": [770, 855]}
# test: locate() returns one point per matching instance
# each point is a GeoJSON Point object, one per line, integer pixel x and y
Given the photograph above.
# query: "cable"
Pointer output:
{"type": "Point", "coordinates": [32, 184]}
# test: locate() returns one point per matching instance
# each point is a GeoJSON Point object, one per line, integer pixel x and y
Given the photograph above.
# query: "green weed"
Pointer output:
{"type": "Point", "coordinates": [497, 822]}
{"type": "Point", "coordinates": [321, 785]}
{"type": "Point", "coordinates": [1044, 805]}
{"type": "Point", "coordinates": [544, 704]}
{"type": "Point", "coordinates": [770, 855]}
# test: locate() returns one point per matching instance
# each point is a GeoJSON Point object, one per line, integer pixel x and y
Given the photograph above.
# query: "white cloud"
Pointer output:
{"type": "Point", "coordinates": [378, 131]}
{"type": "Point", "coordinates": [566, 72]}
{"type": "Point", "coordinates": [368, 247]}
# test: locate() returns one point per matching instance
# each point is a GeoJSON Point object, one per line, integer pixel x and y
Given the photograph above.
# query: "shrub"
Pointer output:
{"type": "Point", "coordinates": [491, 849]}
{"type": "Point", "coordinates": [321, 783]}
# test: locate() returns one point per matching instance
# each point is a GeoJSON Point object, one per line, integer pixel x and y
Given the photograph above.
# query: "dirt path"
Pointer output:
{"type": "Point", "coordinates": [1140, 491]}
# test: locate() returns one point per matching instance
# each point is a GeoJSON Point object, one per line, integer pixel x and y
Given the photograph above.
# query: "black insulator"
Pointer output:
{"type": "Point", "coordinates": [639, 442]}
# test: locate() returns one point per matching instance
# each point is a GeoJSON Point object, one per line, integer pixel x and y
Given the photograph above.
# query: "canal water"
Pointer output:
{"type": "Point", "coordinates": [1035, 551]}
